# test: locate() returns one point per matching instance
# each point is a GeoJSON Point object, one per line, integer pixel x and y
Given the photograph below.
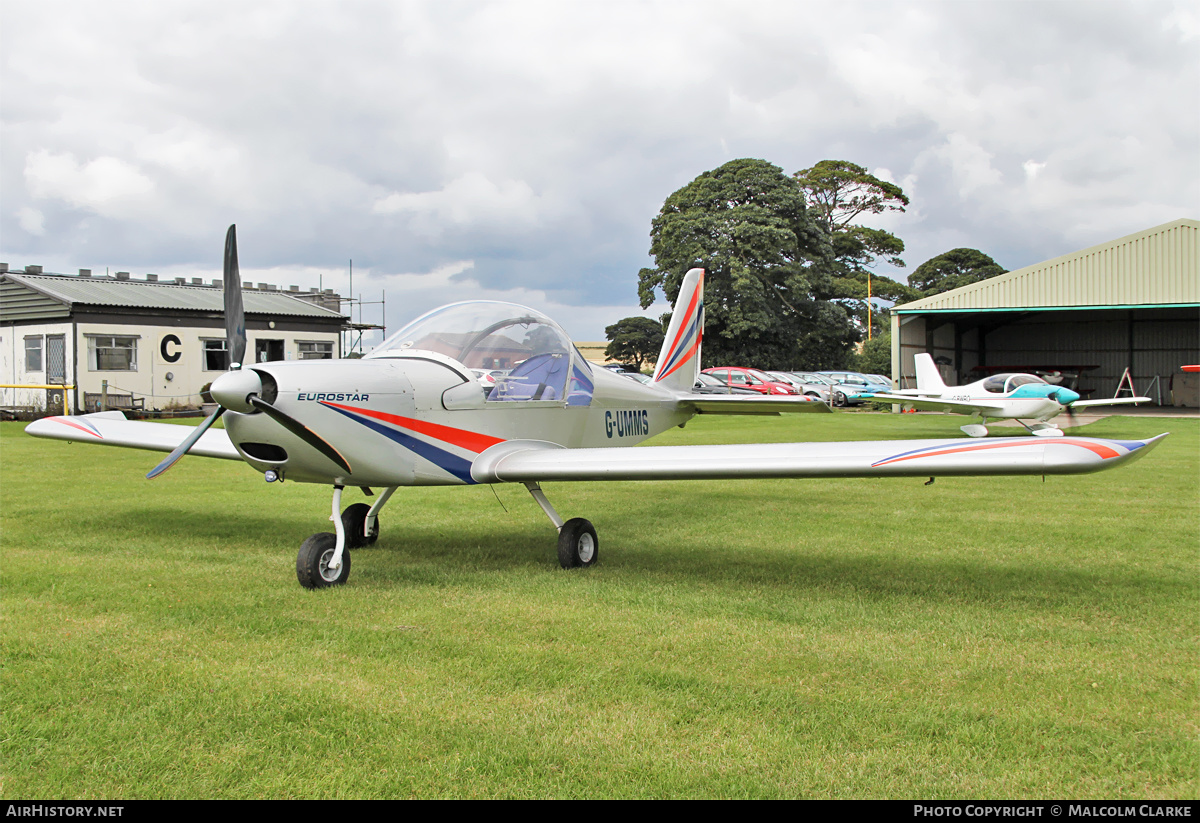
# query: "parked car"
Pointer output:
{"type": "Point", "coordinates": [818, 390]}
{"type": "Point", "coordinates": [840, 394]}
{"type": "Point", "coordinates": [864, 385]}
{"type": "Point", "coordinates": [853, 378]}
{"type": "Point", "coordinates": [707, 384]}
{"type": "Point", "coordinates": [752, 379]}
{"type": "Point", "coordinates": [638, 376]}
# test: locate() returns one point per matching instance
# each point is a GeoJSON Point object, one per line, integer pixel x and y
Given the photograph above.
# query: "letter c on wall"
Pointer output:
{"type": "Point", "coordinates": [169, 339]}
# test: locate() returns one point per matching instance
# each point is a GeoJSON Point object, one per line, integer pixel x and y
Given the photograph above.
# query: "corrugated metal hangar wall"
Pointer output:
{"type": "Point", "coordinates": [1133, 302]}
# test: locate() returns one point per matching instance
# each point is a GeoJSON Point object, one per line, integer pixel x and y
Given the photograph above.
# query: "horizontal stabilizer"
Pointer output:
{"type": "Point", "coordinates": [112, 429]}
{"type": "Point", "coordinates": [524, 461]}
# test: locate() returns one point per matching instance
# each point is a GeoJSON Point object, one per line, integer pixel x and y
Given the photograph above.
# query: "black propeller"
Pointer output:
{"type": "Point", "coordinates": [300, 430]}
{"type": "Point", "coordinates": [241, 389]}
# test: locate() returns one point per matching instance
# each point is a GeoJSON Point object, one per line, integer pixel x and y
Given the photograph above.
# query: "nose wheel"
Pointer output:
{"type": "Point", "coordinates": [324, 558]}
{"type": "Point", "coordinates": [314, 562]}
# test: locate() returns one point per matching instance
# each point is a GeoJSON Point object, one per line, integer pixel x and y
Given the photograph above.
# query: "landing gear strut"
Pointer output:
{"type": "Point", "coordinates": [577, 542]}
{"type": "Point", "coordinates": [324, 558]}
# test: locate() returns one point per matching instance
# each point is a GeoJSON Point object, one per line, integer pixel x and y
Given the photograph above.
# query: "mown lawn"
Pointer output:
{"type": "Point", "coordinates": [843, 638]}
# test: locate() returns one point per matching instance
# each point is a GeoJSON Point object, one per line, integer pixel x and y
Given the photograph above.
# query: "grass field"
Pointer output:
{"type": "Point", "coordinates": [1006, 638]}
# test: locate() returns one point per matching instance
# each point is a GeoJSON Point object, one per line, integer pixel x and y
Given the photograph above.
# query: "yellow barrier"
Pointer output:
{"type": "Point", "coordinates": [64, 387]}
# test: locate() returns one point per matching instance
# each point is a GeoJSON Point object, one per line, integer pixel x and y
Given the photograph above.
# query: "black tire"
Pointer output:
{"type": "Point", "coordinates": [312, 562]}
{"type": "Point", "coordinates": [577, 544]}
{"type": "Point", "coordinates": [353, 519]}
{"type": "Point", "coordinates": [839, 399]}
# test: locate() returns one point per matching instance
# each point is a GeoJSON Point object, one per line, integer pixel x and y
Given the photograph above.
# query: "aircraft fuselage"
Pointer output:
{"type": "Point", "coordinates": [418, 420]}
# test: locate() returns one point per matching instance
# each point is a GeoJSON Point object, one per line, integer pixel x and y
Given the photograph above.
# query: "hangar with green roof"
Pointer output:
{"type": "Point", "coordinates": [1129, 304]}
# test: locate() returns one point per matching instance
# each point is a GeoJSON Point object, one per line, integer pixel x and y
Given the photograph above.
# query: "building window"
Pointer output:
{"type": "Point", "coordinates": [112, 353]}
{"type": "Point", "coordinates": [216, 355]}
{"type": "Point", "coordinates": [33, 354]}
{"type": "Point", "coordinates": [315, 350]}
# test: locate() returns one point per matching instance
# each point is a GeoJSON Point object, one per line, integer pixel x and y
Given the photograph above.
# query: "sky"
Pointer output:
{"type": "Point", "coordinates": [518, 150]}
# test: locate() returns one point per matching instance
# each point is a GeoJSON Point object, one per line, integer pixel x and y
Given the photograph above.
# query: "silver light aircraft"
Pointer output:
{"type": "Point", "coordinates": [412, 413]}
{"type": "Point", "coordinates": [1014, 396]}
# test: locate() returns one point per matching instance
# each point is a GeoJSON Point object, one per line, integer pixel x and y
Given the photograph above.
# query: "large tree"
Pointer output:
{"type": "Point", "coordinates": [768, 268]}
{"type": "Point", "coordinates": [949, 270]}
{"type": "Point", "coordinates": [634, 340]}
{"type": "Point", "coordinates": [876, 356]}
{"type": "Point", "coordinates": [838, 193]}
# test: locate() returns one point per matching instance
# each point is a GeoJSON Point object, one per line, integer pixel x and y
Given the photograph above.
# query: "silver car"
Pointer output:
{"type": "Point", "coordinates": [841, 394]}
{"type": "Point", "coordinates": [818, 389]}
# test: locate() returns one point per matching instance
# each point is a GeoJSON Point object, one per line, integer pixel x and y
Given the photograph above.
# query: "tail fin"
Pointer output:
{"type": "Point", "coordinates": [929, 378]}
{"type": "Point", "coordinates": [679, 361]}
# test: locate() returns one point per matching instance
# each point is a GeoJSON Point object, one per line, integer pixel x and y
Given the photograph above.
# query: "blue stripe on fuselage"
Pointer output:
{"type": "Point", "coordinates": [441, 458]}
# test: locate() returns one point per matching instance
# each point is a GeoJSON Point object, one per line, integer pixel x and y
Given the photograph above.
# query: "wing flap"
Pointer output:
{"type": "Point", "coordinates": [525, 461]}
{"type": "Point", "coordinates": [112, 429]}
{"type": "Point", "coordinates": [746, 404]}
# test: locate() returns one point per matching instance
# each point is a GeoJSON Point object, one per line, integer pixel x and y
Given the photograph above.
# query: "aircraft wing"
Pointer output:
{"type": "Point", "coordinates": [751, 404]}
{"type": "Point", "coordinates": [112, 429]}
{"type": "Point", "coordinates": [1109, 401]}
{"type": "Point", "coordinates": [537, 461]}
{"type": "Point", "coordinates": [941, 404]}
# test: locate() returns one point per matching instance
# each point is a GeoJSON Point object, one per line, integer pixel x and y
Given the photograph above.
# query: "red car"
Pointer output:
{"type": "Point", "coordinates": [752, 379]}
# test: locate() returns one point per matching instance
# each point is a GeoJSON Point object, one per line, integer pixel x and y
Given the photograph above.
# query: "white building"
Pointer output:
{"type": "Point", "coordinates": [154, 344]}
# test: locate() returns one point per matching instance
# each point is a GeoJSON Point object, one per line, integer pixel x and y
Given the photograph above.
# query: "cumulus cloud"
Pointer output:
{"type": "Point", "coordinates": [469, 200]}
{"type": "Point", "coordinates": [31, 220]}
{"type": "Point", "coordinates": [105, 185]}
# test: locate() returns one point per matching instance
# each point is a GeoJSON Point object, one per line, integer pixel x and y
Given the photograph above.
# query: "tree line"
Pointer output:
{"type": "Point", "coordinates": [787, 261]}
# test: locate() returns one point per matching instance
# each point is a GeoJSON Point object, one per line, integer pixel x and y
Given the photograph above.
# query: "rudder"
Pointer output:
{"type": "Point", "coordinates": [679, 361]}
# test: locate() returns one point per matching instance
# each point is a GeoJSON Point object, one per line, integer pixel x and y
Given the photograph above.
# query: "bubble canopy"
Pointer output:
{"type": "Point", "coordinates": [495, 336]}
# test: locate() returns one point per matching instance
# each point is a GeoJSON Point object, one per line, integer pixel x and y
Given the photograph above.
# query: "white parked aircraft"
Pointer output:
{"type": "Point", "coordinates": [412, 413]}
{"type": "Point", "coordinates": [1008, 396]}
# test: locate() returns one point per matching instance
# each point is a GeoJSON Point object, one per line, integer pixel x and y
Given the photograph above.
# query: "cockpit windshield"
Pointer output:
{"type": "Point", "coordinates": [1005, 383]}
{"type": "Point", "coordinates": [541, 361]}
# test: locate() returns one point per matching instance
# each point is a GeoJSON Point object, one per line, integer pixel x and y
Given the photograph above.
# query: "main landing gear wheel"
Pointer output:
{"type": "Point", "coordinates": [577, 544]}
{"type": "Point", "coordinates": [353, 519]}
{"type": "Point", "coordinates": [312, 562]}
